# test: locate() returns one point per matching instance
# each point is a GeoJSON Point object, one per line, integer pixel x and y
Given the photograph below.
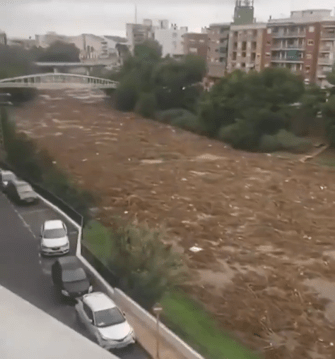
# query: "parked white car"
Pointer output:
{"type": "Point", "coordinates": [54, 239]}
{"type": "Point", "coordinates": [104, 320]}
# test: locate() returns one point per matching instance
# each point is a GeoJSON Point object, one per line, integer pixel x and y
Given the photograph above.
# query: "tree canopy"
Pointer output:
{"type": "Point", "coordinates": [59, 52]}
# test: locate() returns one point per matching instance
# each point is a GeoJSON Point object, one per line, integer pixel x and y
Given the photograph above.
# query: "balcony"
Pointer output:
{"type": "Point", "coordinates": [327, 35]}
{"type": "Point", "coordinates": [326, 49]}
{"type": "Point", "coordinates": [287, 47]}
{"type": "Point", "coordinates": [284, 59]}
{"type": "Point", "coordinates": [287, 34]}
{"type": "Point", "coordinates": [325, 61]}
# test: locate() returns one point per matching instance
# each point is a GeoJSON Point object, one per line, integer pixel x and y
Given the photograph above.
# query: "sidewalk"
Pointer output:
{"type": "Point", "coordinates": [148, 339]}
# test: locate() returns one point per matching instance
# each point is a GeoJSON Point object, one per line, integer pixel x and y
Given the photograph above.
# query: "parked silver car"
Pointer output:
{"type": "Point", "coordinates": [104, 320]}
{"type": "Point", "coordinates": [54, 239]}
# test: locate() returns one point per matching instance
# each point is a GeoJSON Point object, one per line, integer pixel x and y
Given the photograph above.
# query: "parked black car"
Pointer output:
{"type": "Point", "coordinates": [5, 177]}
{"type": "Point", "coordinates": [70, 278]}
{"type": "Point", "coordinates": [21, 192]}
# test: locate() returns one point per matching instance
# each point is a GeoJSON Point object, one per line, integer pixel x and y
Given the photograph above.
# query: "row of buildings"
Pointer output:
{"type": "Point", "coordinates": [303, 42]}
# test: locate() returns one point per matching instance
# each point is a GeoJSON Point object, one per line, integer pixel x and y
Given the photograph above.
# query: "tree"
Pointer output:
{"type": "Point", "coordinates": [60, 52]}
{"type": "Point", "coordinates": [328, 112]}
{"type": "Point", "coordinates": [146, 266]}
{"type": "Point", "coordinates": [262, 99]}
{"type": "Point", "coordinates": [149, 50]}
{"type": "Point", "coordinates": [175, 82]}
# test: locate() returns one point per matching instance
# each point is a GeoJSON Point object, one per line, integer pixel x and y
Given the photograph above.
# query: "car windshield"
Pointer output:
{"type": "Point", "coordinates": [54, 233]}
{"type": "Point", "coordinates": [24, 188]}
{"type": "Point", "coordinates": [73, 275]}
{"type": "Point", "coordinates": [8, 176]}
{"type": "Point", "coordinates": [108, 317]}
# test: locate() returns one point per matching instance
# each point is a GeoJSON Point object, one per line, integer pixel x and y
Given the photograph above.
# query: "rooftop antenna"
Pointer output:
{"type": "Point", "coordinates": [135, 14]}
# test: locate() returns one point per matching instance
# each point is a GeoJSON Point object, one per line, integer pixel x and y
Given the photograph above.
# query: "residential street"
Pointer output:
{"type": "Point", "coordinates": [27, 274]}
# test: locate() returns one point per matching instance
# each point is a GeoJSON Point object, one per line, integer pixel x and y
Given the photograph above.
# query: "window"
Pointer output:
{"type": "Point", "coordinates": [308, 56]}
{"type": "Point", "coordinates": [311, 29]}
{"type": "Point", "coordinates": [243, 64]}
{"type": "Point", "coordinates": [244, 45]}
{"type": "Point", "coordinates": [235, 45]}
{"type": "Point", "coordinates": [221, 59]}
{"type": "Point", "coordinates": [54, 233]}
{"type": "Point", "coordinates": [268, 43]}
{"type": "Point", "coordinates": [243, 54]}
{"type": "Point", "coordinates": [310, 42]}
{"type": "Point", "coordinates": [108, 317]}
{"type": "Point", "coordinates": [234, 56]}
{"type": "Point", "coordinates": [307, 69]}
{"type": "Point", "coordinates": [88, 311]}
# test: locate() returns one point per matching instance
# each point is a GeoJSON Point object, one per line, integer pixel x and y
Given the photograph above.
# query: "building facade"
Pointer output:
{"type": "Point", "coordinates": [326, 56]}
{"type": "Point", "coordinates": [138, 33]}
{"type": "Point", "coordinates": [171, 39]}
{"type": "Point", "coordinates": [217, 52]}
{"type": "Point", "coordinates": [196, 43]}
{"type": "Point", "coordinates": [245, 49]}
{"type": "Point", "coordinates": [294, 43]}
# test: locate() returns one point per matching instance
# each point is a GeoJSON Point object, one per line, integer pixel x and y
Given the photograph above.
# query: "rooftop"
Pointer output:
{"type": "Point", "coordinates": [54, 224]}
{"type": "Point", "coordinates": [69, 261]}
{"type": "Point", "coordinates": [98, 301]}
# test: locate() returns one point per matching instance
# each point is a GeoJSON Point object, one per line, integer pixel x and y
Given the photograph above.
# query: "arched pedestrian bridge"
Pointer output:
{"type": "Point", "coordinates": [54, 81]}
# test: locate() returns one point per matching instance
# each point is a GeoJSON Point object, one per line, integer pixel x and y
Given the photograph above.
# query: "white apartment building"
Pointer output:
{"type": "Point", "coordinates": [170, 38]}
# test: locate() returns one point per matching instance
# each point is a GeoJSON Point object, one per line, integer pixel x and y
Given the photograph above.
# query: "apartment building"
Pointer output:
{"type": "Point", "coordinates": [196, 43]}
{"type": "Point", "coordinates": [3, 38]}
{"type": "Point", "coordinates": [217, 52]}
{"type": "Point", "coordinates": [170, 38]}
{"type": "Point", "coordinates": [245, 48]}
{"type": "Point", "coordinates": [326, 56]}
{"type": "Point", "coordinates": [294, 42]}
{"type": "Point", "coordinates": [138, 33]}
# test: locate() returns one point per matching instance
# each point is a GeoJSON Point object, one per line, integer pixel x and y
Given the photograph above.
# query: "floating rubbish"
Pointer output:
{"type": "Point", "coordinates": [84, 160]}
{"type": "Point", "coordinates": [195, 249]}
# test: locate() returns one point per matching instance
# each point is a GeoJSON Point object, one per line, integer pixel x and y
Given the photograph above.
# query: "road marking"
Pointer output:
{"type": "Point", "coordinates": [22, 219]}
{"type": "Point", "coordinates": [35, 211]}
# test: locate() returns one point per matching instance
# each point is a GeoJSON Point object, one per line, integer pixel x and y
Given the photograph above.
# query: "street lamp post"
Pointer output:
{"type": "Point", "coordinates": [157, 310]}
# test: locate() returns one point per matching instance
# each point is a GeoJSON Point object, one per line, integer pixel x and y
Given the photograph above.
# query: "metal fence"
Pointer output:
{"type": "Point", "coordinates": [61, 204]}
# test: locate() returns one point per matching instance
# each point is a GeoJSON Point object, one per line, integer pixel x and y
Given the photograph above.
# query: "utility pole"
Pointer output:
{"type": "Point", "coordinates": [135, 14]}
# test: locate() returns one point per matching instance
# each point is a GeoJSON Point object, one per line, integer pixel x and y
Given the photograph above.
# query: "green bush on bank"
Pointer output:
{"type": "Point", "coordinates": [137, 256]}
{"type": "Point", "coordinates": [146, 105]}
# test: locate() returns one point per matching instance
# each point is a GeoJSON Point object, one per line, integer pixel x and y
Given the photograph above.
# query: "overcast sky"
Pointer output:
{"type": "Point", "coordinates": [24, 18]}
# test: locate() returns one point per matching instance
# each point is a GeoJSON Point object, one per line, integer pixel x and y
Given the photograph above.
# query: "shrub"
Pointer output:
{"type": "Point", "coordinates": [146, 105]}
{"type": "Point", "coordinates": [168, 115]}
{"type": "Point", "coordinates": [292, 143]}
{"type": "Point", "coordinates": [188, 121]}
{"type": "Point", "coordinates": [269, 143]}
{"type": "Point", "coordinates": [241, 135]}
{"type": "Point", "coordinates": [136, 254]}
{"type": "Point", "coordinates": [126, 95]}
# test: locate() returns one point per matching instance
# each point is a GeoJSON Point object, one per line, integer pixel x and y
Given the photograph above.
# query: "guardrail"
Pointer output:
{"type": "Point", "coordinates": [68, 210]}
